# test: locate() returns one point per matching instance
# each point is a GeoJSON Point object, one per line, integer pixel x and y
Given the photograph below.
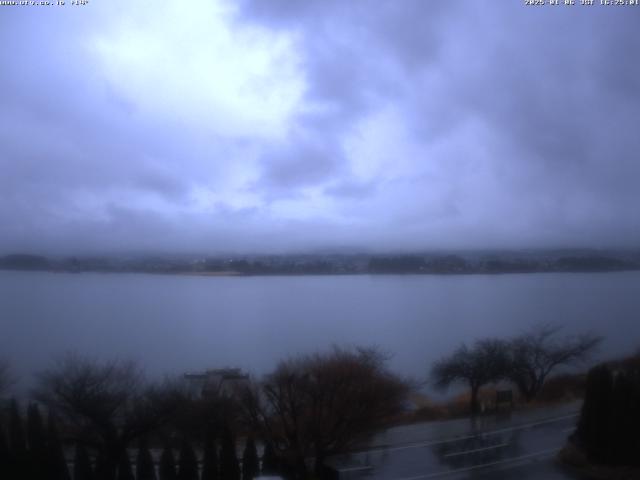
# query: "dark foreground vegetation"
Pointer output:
{"type": "Point", "coordinates": [606, 443]}
{"type": "Point", "coordinates": [334, 264]}
{"type": "Point", "coordinates": [119, 426]}
{"type": "Point", "coordinates": [104, 421]}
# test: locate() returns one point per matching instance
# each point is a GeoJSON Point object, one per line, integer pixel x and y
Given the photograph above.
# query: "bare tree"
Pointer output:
{"type": "Point", "coordinates": [486, 362]}
{"type": "Point", "coordinates": [317, 405]}
{"type": "Point", "coordinates": [109, 404]}
{"type": "Point", "coordinates": [535, 354]}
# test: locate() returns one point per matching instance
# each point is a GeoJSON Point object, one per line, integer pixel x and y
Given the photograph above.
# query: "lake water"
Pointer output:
{"type": "Point", "coordinates": [175, 324]}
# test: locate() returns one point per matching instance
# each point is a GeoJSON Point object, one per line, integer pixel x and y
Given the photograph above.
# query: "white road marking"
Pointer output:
{"type": "Point", "coordinates": [468, 437]}
{"type": "Point", "coordinates": [483, 465]}
{"type": "Point", "coordinates": [476, 450]}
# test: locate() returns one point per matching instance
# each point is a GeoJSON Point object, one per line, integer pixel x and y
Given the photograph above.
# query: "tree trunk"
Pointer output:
{"type": "Point", "coordinates": [319, 467]}
{"type": "Point", "coordinates": [107, 467]}
{"type": "Point", "coordinates": [475, 405]}
{"type": "Point", "coordinates": [301, 467]}
{"type": "Point", "coordinates": [528, 394]}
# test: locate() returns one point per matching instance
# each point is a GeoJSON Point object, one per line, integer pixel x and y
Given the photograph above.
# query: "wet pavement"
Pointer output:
{"type": "Point", "coordinates": [518, 446]}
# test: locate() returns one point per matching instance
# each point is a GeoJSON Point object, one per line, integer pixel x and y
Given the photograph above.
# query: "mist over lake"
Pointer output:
{"type": "Point", "coordinates": [174, 324]}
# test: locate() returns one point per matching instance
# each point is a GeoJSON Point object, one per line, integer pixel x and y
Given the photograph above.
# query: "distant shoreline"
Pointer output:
{"type": "Point", "coordinates": [491, 263]}
{"type": "Point", "coordinates": [313, 274]}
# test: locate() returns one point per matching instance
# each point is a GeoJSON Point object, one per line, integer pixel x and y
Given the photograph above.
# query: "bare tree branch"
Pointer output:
{"type": "Point", "coordinates": [108, 402]}
{"type": "Point", "coordinates": [322, 404]}
{"type": "Point", "coordinates": [535, 354]}
{"type": "Point", "coordinates": [486, 362]}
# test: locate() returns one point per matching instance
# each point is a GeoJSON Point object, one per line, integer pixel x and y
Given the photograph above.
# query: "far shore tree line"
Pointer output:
{"type": "Point", "coordinates": [575, 260]}
{"type": "Point", "coordinates": [311, 407]}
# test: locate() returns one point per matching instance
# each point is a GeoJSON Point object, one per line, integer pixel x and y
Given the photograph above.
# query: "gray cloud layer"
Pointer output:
{"type": "Point", "coordinates": [276, 124]}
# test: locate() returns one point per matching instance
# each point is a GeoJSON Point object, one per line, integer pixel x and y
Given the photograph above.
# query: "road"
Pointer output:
{"type": "Point", "coordinates": [519, 446]}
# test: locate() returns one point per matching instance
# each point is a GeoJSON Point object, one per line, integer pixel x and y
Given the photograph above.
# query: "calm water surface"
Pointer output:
{"type": "Point", "coordinates": [174, 324]}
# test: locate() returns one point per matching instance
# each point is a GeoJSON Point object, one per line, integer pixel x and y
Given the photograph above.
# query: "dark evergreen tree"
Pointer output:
{"type": "Point", "coordinates": [250, 462]}
{"type": "Point", "coordinates": [623, 431]}
{"type": "Point", "coordinates": [104, 469]}
{"type": "Point", "coordinates": [124, 468]}
{"type": "Point", "coordinates": [144, 463]}
{"type": "Point", "coordinates": [56, 462]}
{"type": "Point", "coordinates": [610, 418]}
{"type": "Point", "coordinates": [17, 439]}
{"type": "Point", "coordinates": [167, 470]}
{"type": "Point", "coordinates": [634, 417]}
{"type": "Point", "coordinates": [37, 441]}
{"type": "Point", "coordinates": [229, 466]}
{"type": "Point", "coordinates": [593, 427]}
{"type": "Point", "coordinates": [19, 465]}
{"type": "Point", "coordinates": [270, 464]}
{"type": "Point", "coordinates": [210, 461]}
{"type": "Point", "coordinates": [188, 469]}
{"type": "Point", "coordinates": [6, 461]}
{"type": "Point", "coordinates": [36, 435]}
{"type": "Point", "coordinates": [82, 464]}
{"type": "Point", "coordinates": [111, 399]}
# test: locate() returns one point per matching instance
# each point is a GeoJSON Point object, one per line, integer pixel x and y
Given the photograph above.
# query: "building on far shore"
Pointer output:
{"type": "Point", "coordinates": [219, 381]}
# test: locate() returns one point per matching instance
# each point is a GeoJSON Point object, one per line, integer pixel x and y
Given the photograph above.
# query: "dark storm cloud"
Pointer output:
{"type": "Point", "coordinates": [557, 92]}
{"type": "Point", "coordinates": [284, 124]}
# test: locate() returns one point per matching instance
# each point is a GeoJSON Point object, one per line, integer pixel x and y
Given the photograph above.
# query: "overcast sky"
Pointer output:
{"type": "Point", "coordinates": [274, 125]}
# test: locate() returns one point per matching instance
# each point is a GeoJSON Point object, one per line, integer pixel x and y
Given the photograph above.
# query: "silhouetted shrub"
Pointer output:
{"type": "Point", "coordinates": [82, 464]}
{"type": "Point", "coordinates": [6, 461]}
{"type": "Point", "coordinates": [17, 439]}
{"type": "Point", "coordinates": [335, 399]}
{"type": "Point", "coordinates": [270, 464]}
{"type": "Point", "coordinates": [250, 467]}
{"type": "Point", "coordinates": [144, 463]}
{"type": "Point", "coordinates": [593, 425]}
{"type": "Point", "coordinates": [563, 387]}
{"type": "Point", "coordinates": [124, 468]}
{"type": "Point", "coordinates": [188, 463]}
{"type": "Point", "coordinates": [104, 468]}
{"type": "Point", "coordinates": [229, 467]}
{"type": "Point", "coordinates": [210, 467]}
{"type": "Point", "coordinates": [56, 464]}
{"type": "Point", "coordinates": [610, 418]}
{"type": "Point", "coordinates": [623, 434]}
{"type": "Point", "coordinates": [110, 402]}
{"type": "Point", "coordinates": [167, 468]}
{"type": "Point", "coordinates": [37, 441]}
